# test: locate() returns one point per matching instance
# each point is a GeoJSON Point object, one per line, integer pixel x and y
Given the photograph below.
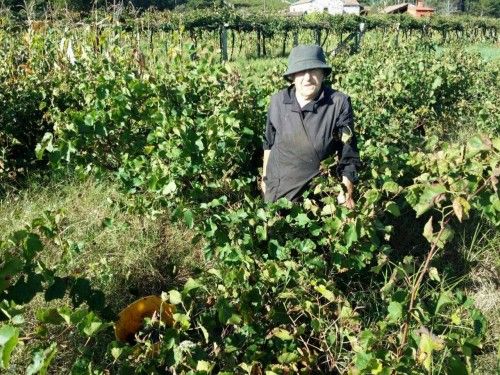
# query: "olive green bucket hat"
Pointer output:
{"type": "Point", "coordinates": [305, 57]}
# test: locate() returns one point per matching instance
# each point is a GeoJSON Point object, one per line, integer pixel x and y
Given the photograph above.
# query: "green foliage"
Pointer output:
{"type": "Point", "coordinates": [8, 340]}
{"type": "Point", "coordinates": [87, 6]}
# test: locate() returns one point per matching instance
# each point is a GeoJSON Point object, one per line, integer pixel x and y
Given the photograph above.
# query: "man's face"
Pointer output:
{"type": "Point", "coordinates": [308, 82]}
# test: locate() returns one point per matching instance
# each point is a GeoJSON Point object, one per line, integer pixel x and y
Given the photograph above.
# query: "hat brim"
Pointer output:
{"type": "Point", "coordinates": [326, 68]}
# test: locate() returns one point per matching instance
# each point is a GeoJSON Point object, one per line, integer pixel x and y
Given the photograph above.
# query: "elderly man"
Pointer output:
{"type": "Point", "coordinates": [307, 122]}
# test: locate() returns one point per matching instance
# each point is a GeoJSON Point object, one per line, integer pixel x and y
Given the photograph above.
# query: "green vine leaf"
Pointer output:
{"type": "Point", "coordinates": [9, 336]}
{"type": "Point", "coordinates": [393, 208]}
{"type": "Point", "coordinates": [428, 198]}
{"type": "Point", "coordinates": [446, 236]}
{"type": "Point", "coordinates": [395, 310]}
{"type": "Point", "coordinates": [175, 297]}
{"type": "Point", "coordinates": [445, 298]}
{"type": "Point", "coordinates": [41, 360]}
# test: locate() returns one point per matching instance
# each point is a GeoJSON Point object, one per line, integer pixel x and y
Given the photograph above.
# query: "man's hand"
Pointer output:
{"type": "Point", "coordinates": [349, 201]}
{"type": "Point", "coordinates": [264, 170]}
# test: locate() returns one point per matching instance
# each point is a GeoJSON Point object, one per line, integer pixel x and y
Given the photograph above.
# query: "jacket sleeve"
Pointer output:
{"type": "Point", "coordinates": [269, 133]}
{"type": "Point", "coordinates": [349, 160]}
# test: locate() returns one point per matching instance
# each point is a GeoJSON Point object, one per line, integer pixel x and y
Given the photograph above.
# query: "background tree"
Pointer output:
{"type": "Point", "coordinates": [484, 7]}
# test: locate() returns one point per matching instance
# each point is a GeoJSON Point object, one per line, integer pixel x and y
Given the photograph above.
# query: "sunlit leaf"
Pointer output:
{"type": "Point", "coordinates": [325, 292]}
{"type": "Point", "coordinates": [395, 310]}
{"type": "Point", "coordinates": [41, 360]}
{"type": "Point", "coordinates": [461, 208]}
{"type": "Point", "coordinates": [190, 285]}
{"type": "Point", "coordinates": [288, 358]}
{"type": "Point", "coordinates": [433, 274]}
{"type": "Point", "coordinates": [8, 340]}
{"type": "Point", "coordinates": [174, 297]}
{"type": "Point", "coordinates": [427, 199]}
{"type": "Point", "coordinates": [282, 334]}
{"type": "Point", "coordinates": [428, 344]}
{"type": "Point", "coordinates": [428, 230]}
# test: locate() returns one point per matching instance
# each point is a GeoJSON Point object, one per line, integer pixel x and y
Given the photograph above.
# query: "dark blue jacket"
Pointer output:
{"type": "Point", "coordinates": [299, 139]}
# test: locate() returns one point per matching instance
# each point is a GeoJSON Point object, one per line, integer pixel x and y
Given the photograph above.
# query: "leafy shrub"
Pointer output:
{"type": "Point", "coordinates": [184, 135]}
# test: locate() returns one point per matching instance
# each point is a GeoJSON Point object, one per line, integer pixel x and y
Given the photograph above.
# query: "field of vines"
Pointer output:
{"type": "Point", "coordinates": [170, 137]}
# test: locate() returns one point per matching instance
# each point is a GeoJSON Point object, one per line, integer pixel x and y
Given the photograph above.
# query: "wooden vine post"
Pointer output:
{"type": "Point", "coordinates": [359, 35]}
{"type": "Point", "coordinates": [283, 51]}
{"type": "Point", "coordinates": [295, 38]}
{"type": "Point", "coordinates": [264, 52]}
{"type": "Point", "coordinates": [241, 42]}
{"type": "Point", "coordinates": [397, 34]}
{"type": "Point", "coordinates": [258, 42]}
{"type": "Point", "coordinates": [325, 38]}
{"type": "Point", "coordinates": [233, 41]}
{"type": "Point", "coordinates": [223, 41]}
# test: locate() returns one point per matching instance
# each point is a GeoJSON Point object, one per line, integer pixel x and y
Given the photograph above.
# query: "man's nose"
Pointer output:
{"type": "Point", "coordinates": [307, 75]}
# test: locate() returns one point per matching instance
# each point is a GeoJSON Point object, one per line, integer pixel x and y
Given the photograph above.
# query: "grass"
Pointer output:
{"type": "Point", "coordinates": [472, 261]}
{"type": "Point", "coordinates": [487, 51]}
{"type": "Point", "coordinates": [481, 251]}
{"type": "Point", "coordinates": [262, 5]}
{"type": "Point", "coordinates": [125, 255]}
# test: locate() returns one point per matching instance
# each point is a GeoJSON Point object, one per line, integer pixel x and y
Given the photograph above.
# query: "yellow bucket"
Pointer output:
{"type": "Point", "coordinates": [131, 318]}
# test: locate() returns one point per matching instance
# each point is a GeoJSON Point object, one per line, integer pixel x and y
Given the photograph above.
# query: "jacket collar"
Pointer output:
{"type": "Point", "coordinates": [290, 98]}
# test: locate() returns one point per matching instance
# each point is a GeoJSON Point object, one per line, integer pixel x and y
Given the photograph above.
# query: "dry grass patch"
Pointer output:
{"type": "Point", "coordinates": [125, 255]}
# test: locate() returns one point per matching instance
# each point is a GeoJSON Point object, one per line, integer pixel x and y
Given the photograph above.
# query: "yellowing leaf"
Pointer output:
{"type": "Point", "coordinates": [329, 209]}
{"type": "Point", "coordinates": [282, 334]}
{"type": "Point", "coordinates": [455, 318]}
{"type": "Point", "coordinates": [148, 149]}
{"type": "Point", "coordinates": [458, 209]}
{"type": "Point", "coordinates": [433, 274]}
{"type": "Point", "coordinates": [461, 208]}
{"type": "Point", "coordinates": [346, 138]}
{"type": "Point", "coordinates": [116, 352]}
{"type": "Point", "coordinates": [325, 292]}
{"type": "Point", "coordinates": [428, 343]}
{"type": "Point", "coordinates": [428, 230]}
{"type": "Point", "coordinates": [204, 366]}
{"type": "Point", "coordinates": [377, 367]}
